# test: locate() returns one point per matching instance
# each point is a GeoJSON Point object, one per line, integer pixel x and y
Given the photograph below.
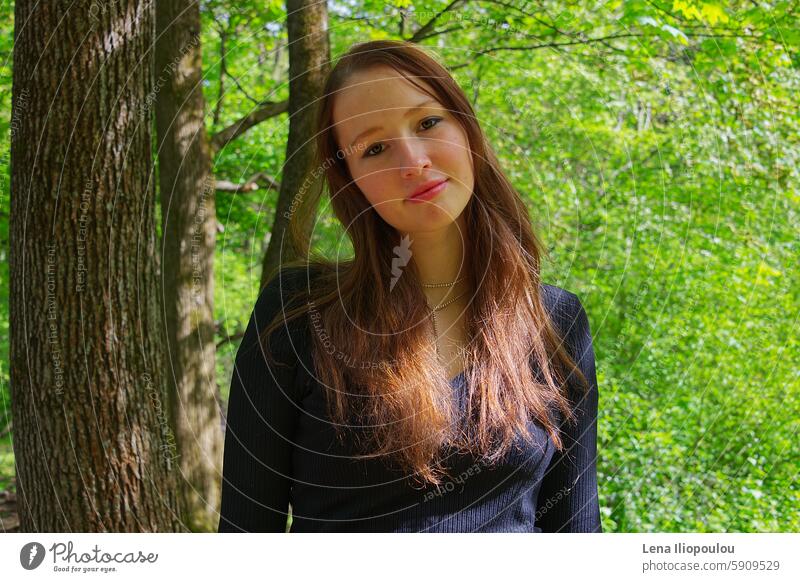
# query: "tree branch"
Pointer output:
{"type": "Point", "coordinates": [242, 89]}
{"type": "Point", "coordinates": [493, 49]}
{"type": "Point", "coordinates": [426, 29]}
{"type": "Point", "coordinates": [226, 337]}
{"type": "Point", "coordinates": [230, 338]}
{"type": "Point", "coordinates": [225, 136]}
{"type": "Point", "coordinates": [587, 41]}
{"type": "Point", "coordinates": [250, 185]}
{"type": "Point", "coordinates": [444, 31]}
{"type": "Point", "coordinates": [529, 15]}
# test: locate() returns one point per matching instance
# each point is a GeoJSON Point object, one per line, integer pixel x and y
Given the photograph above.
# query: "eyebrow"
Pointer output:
{"type": "Point", "coordinates": [406, 114]}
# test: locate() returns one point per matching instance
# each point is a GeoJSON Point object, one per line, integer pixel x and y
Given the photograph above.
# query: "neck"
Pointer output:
{"type": "Point", "coordinates": [439, 255]}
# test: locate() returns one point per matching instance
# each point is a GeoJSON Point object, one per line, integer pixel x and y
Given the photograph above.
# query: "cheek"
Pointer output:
{"type": "Point", "coordinates": [376, 189]}
{"type": "Point", "coordinates": [458, 153]}
{"type": "Point", "coordinates": [368, 185]}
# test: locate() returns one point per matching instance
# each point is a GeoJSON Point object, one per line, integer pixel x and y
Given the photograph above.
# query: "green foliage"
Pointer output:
{"type": "Point", "coordinates": [6, 120]}
{"type": "Point", "coordinates": [7, 464]}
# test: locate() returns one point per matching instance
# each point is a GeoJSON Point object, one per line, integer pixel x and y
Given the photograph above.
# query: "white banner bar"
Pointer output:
{"type": "Point", "coordinates": [401, 557]}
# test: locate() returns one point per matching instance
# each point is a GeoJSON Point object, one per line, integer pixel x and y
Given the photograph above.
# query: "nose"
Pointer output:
{"type": "Point", "coordinates": [413, 157]}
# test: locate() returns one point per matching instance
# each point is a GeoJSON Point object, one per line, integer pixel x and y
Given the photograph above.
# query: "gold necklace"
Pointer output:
{"type": "Point", "coordinates": [433, 314]}
{"type": "Point", "coordinates": [441, 306]}
{"type": "Point", "coordinates": [432, 285]}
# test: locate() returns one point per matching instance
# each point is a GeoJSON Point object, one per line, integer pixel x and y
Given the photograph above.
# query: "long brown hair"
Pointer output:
{"type": "Point", "coordinates": [384, 385]}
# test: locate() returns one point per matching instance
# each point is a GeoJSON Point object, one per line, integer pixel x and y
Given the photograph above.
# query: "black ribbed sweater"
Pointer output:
{"type": "Point", "coordinates": [280, 449]}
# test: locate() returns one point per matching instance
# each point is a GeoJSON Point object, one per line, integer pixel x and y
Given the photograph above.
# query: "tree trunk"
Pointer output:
{"type": "Point", "coordinates": [309, 63]}
{"type": "Point", "coordinates": [188, 236]}
{"type": "Point", "coordinates": [91, 437]}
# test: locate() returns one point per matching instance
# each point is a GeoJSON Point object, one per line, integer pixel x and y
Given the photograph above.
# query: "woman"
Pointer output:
{"type": "Point", "coordinates": [390, 392]}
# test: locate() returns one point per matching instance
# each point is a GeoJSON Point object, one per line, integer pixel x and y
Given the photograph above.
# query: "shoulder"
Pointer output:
{"type": "Point", "coordinates": [283, 290]}
{"type": "Point", "coordinates": [291, 287]}
{"type": "Point", "coordinates": [282, 293]}
{"type": "Point", "coordinates": [286, 278]}
{"type": "Point", "coordinates": [563, 306]}
{"type": "Point", "coordinates": [568, 315]}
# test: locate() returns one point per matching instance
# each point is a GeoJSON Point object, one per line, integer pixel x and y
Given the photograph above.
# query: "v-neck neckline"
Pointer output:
{"type": "Point", "coordinates": [457, 376]}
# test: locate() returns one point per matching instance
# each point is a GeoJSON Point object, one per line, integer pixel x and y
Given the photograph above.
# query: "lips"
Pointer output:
{"type": "Point", "coordinates": [427, 191]}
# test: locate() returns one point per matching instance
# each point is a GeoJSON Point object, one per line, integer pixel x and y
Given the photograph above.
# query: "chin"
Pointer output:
{"type": "Point", "coordinates": [432, 224]}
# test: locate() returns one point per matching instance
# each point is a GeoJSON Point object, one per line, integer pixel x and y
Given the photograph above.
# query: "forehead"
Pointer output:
{"type": "Point", "coordinates": [374, 95]}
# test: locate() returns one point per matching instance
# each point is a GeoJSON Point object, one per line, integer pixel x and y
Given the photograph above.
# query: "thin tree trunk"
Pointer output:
{"type": "Point", "coordinates": [309, 62]}
{"type": "Point", "coordinates": [188, 216]}
{"type": "Point", "coordinates": [92, 442]}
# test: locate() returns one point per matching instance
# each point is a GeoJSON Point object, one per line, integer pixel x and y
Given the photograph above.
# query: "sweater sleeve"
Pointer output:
{"type": "Point", "coordinates": [261, 418]}
{"type": "Point", "coordinates": [568, 500]}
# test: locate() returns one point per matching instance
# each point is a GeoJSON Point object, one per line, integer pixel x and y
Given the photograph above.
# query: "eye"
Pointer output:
{"type": "Point", "coordinates": [436, 119]}
{"type": "Point", "coordinates": [367, 153]}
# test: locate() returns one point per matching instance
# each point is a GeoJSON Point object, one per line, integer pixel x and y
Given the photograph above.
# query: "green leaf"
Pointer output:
{"type": "Point", "coordinates": [676, 33]}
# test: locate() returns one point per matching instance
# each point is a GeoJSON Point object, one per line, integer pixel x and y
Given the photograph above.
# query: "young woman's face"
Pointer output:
{"type": "Point", "coordinates": [398, 140]}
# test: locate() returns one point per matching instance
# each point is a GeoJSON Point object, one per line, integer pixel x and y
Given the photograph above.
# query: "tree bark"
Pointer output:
{"type": "Point", "coordinates": [91, 438]}
{"type": "Point", "coordinates": [188, 214]}
{"type": "Point", "coordinates": [309, 63]}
